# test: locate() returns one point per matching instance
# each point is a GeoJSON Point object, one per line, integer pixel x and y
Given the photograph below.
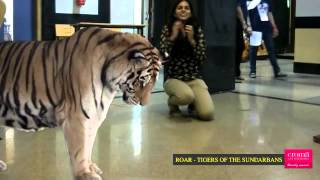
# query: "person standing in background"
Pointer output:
{"type": "Point", "coordinates": [261, 20]}
{"type": "Point", "coordinates": [241, 26]}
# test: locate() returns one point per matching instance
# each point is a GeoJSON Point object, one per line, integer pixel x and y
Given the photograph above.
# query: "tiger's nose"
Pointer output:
{"type": "Point", "coordinates": [125, 97]}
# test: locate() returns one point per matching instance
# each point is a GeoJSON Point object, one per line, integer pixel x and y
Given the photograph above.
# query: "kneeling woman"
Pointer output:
{"type": "Point", "coordinates": [183, 40]}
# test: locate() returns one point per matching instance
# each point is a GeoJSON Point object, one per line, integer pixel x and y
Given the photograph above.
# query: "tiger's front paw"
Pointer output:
{"type": "Point", "coordinates": [3, 166]}
{"type": "Point", "coordinates": [94, 168]}
{"type": "Point", "coordinates": [89, 176]}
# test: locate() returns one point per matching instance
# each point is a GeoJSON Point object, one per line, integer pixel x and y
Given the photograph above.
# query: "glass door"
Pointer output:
{"type": "Point", "coordinates": [130, 12]}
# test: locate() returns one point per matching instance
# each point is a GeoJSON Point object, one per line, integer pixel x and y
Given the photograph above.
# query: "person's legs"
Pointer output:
{"type": "Point", "coordinates": [239, 50]}
{"type": "Point", "coordinates": [179, 94]}
{"type": "Point", "coordinates": [252, 59]}
{"type": "Point", "coordinates": [268, 40]}
{"type": "Point", "coordinates": [203, 103]}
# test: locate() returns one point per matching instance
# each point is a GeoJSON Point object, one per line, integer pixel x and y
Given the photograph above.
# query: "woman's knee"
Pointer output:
{"type": "Point", "coordinates": [187, 98]}
{"type": "Point", "coordinates": [207, 115]}
{"type": "Point", "coordinates": [179, 92]}
{"type": "Point", "coordinates": [183, 98]}
{"type": "Point", "coordinates": [205, 111]}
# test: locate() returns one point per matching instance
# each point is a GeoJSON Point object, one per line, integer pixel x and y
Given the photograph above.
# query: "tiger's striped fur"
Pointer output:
{"type": "Point", "coordinates": [71, 83]}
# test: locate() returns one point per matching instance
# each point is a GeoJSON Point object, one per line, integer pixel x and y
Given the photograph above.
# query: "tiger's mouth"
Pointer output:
{"type": "Point", "coordinates": [130, 99]}
{"type": "Point", "coordinates": [140, 93]}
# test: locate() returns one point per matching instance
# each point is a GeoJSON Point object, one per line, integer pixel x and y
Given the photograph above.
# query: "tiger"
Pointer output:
{"type": "Point", "coordinates": [70, 83]}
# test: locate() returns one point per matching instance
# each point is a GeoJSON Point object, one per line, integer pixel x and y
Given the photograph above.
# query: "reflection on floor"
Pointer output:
{"type": "Point", "coordinates": [303, 88]}
{"type": "Point", "coordinates": [137, 143]}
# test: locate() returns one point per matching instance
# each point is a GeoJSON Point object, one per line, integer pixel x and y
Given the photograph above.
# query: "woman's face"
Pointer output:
{"type": "Point", "coordinates": [183, 11]}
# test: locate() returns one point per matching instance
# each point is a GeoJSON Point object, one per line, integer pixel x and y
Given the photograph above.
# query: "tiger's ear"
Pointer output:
{"type": "Point", "coordinates": [136, 55]}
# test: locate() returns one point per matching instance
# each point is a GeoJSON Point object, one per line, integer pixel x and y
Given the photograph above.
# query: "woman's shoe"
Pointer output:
{"type": "Point", "coordinates": [174, 110]}
{"type": "Point", "coordinates": [191, 109]}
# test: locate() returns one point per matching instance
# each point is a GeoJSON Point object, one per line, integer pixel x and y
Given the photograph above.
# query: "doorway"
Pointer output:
{"type": "Point", "coordinates": [284, 14]}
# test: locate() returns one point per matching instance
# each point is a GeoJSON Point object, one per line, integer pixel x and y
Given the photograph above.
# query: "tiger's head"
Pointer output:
{"type": "Point", "coordinates": [132, 66]}
{"type": "Point", "coordinates": [139, 82]}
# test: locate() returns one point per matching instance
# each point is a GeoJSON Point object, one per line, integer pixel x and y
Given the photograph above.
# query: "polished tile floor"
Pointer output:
{"type": "Point", "coordinates": [137, 143]}
{"type": "Point", "coordinates": [304, 88]}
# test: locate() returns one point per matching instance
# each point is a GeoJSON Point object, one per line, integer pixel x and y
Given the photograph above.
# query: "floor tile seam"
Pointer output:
{"type": "Point", "coordinates": [276, 98]}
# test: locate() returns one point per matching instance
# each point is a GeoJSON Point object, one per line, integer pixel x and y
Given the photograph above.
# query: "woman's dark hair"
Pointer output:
{"type": "Point", "coordinates": [191, 21]}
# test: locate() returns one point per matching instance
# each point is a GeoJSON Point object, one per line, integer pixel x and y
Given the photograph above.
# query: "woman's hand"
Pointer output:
{"type": "Point", "coordinates": [176, 28]}
{"type": "Point", "coordinates": [190, 34]}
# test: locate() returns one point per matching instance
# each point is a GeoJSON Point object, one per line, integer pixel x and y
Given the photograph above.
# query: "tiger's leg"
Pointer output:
{"type": "Point", "coordinates": [10, 119]}
{"type": "Point", "coordinates": [93, 166]}
{"type": "Point", "coordinates": [3, 166]}
{"type": "Point", "coordinates": [80, 135]}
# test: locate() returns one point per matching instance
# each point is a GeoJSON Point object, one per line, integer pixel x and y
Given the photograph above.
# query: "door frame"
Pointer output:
{"type": "Point", "coordinates": [46, 17]}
